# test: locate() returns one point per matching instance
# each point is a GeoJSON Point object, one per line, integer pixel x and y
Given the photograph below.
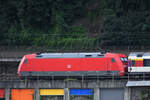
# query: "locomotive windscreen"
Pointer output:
{"type": "Point", "coordinates": [146, 62]}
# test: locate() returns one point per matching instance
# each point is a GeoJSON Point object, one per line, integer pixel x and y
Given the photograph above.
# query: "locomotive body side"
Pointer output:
{"type": "Point", "coordinates": [71, 64]}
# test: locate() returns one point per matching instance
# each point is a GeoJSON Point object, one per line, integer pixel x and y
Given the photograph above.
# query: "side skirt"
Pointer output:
{"type": "Point", "coordinates": [71, 73]}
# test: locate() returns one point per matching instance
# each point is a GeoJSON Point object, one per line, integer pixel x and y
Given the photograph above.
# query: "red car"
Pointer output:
{"type": "Point", "coordinates": [73, 64]}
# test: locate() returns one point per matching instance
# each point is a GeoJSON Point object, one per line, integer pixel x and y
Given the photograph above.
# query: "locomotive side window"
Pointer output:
{"type": "Point", "coordinates": [113, 60]}
{"type": "Point", "coordinates": [25, 61]}
{"type": "Point", "coordinates": [146, 62]}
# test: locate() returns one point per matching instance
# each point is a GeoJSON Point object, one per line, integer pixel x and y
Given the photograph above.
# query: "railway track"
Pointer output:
{"type": "Point", "coordinates": [128, 76]}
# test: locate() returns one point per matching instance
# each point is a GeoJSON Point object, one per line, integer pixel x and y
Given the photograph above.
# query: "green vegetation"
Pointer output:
{"type": "Point", "coordinates": [86, 97]}
{"type": "Point", "coordinates": [74, 25]}
{"type": "Point", "coordinates": [126, 22]}
{"type": "Point", "coordinates": [145, 95]}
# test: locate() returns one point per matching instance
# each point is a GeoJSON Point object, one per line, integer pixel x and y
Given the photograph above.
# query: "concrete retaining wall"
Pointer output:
{"type": "Point", "coordinates": [96, 85]}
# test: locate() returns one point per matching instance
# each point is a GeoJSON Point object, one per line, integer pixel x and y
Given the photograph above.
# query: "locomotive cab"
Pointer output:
{"type": "Point", "coordinates": [121, 60]}
{"type": "Point", "coordinates": [25, 64]}
{"type": "Point", "coordinates": [125, 62]}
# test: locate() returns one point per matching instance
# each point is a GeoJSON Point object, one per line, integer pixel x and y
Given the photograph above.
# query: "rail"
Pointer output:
{"type": "Point", "coordinates": [15, 77]}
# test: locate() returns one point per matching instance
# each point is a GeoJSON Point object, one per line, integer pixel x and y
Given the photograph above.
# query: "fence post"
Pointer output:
{"type": "Point", "coordinates": [37, 94]}
{"type": "Point", "coordinates": [7, 94]}
{"type": "Point", "coordinates": [127, 94]}
{"type": "Point", "coordinates": [96, 94]}
{"type": "Point", "coordinates": [66, 94]}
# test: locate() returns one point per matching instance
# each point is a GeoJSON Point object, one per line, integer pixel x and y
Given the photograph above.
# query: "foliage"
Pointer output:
{"type": "Point", "coordinates": [126, 23]}
{"type": "Point", "coordinates": [50, 23]}
{"type": "Point", "coordinates": [145, 95]}
{"type": "Point", "coordinates": [41, 23]}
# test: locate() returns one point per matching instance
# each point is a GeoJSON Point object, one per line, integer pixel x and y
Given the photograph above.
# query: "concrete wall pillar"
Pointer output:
{"type": "Point", "coordinates": [127, 93]}
{"type": "Point", "coordinates": [66, 94]}
{"type": "Point", "coordinates": [37, 94]}
{"type": "Point", "coordinates": [7, 94]}
{"type": "Point", "coordinates": [97, 94]}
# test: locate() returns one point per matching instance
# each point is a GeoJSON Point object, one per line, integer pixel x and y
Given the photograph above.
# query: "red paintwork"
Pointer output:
{"type": "Point", "coordinates": [73, 64]}
{"type": "Point", "coordinates": [2, 93]}
{"type": "Point", "coordinates": [138, 63]}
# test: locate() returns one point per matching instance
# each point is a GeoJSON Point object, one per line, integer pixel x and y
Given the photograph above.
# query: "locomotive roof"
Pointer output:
{"type": "Point", "coordinates": [70, 55]}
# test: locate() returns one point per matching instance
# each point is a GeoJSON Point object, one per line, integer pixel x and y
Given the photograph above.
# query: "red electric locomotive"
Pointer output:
{"type": "Point", "coordinates": [73, 64]}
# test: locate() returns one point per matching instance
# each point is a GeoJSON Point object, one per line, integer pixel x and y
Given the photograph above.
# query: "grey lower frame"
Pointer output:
{"type": "Point", "coordinates": [70, 73]}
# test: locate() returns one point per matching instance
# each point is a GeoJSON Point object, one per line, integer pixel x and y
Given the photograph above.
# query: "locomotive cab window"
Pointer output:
{"type": "Point", "coordinates": [124, 59]}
